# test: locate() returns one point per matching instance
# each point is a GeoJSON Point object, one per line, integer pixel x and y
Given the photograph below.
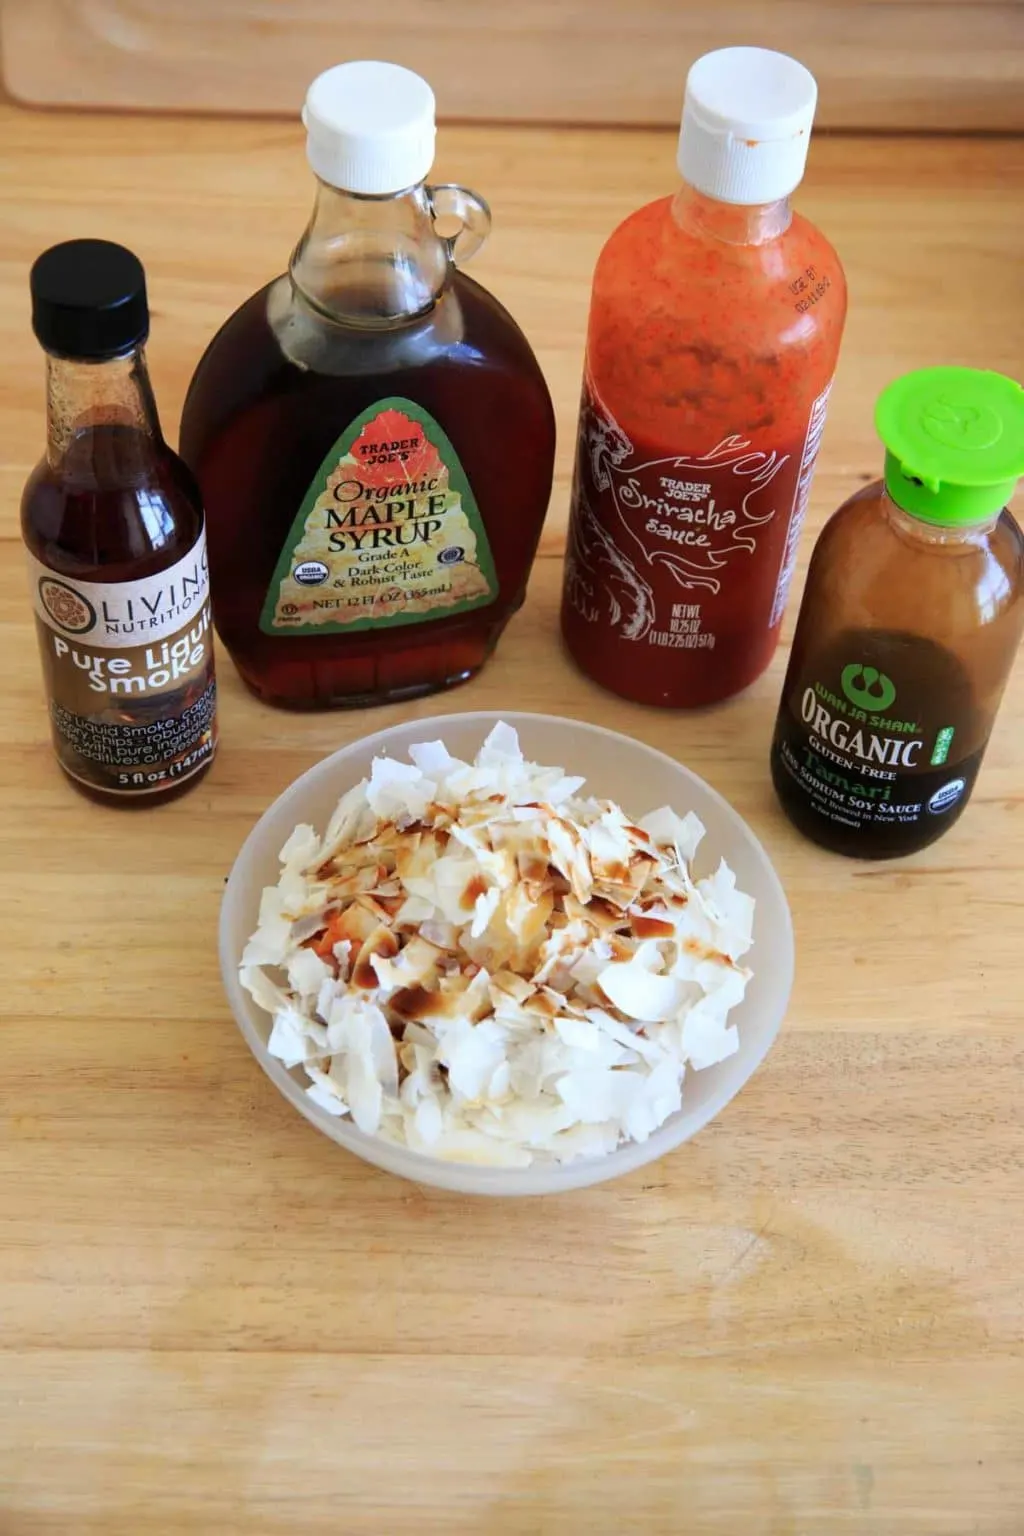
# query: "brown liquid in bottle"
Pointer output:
{"type": "Point", "coordinates": [256, 426]}
{"type": "Point", "coordinates": [864, 809]}
{"type": "Point", "coordinates": [113, 527]}
{"type": "Point", "coordinates": [905, 638]}
{"type": "Point", "coordinates": [116, 509]}
{"type": "Point", "coordinates": [371, 433]}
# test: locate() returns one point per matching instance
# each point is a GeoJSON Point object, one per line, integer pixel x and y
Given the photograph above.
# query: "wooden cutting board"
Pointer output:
{"type": "Point", "coordinates": [881, 64]}
{"type": "Point", "coordinates": [213, 1321]}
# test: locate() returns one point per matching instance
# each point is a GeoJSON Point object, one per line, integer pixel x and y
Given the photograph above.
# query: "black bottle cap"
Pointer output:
{"type": "Point", "coordinates": [89, 300]}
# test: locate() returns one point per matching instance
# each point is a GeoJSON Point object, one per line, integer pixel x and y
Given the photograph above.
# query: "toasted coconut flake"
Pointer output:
{"type": "Point", "coordinates": [308, 927]}
{"type": "Point", "coordinates": [484, 908]}
{"type": "Point", "coordinates": [356, 924]}
{"type": "Point", "coordinates": [418, 965]}
{"type": "Point", "coordinates": [647, 925]}
{"type": "Point", "coordinates": [481, 963]}
{"type": "Point", "coordinates": [415, 913]}
{"type": "Point", "coordinates": [570, 858]}
{"type": "Point", "coordinates": [350, 816]}
{"type": "Point", "coordinates": [381, 943]}
{"type": "Point", "coordinates": [440, 932]}
{"type": "Point", "coordinates": [598, 913]}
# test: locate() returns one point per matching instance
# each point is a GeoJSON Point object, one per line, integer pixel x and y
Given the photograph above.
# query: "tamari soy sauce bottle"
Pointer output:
{"type": "Point", "coordinates": [371, 432]}
{"type": "Point", "coordinates": [910, 620]}
{"type": "Point", "coordinates": [117, 550]}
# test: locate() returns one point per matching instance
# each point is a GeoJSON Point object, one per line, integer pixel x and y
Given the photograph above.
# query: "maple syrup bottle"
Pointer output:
{"type": "Point", "coordinates": [113, 525]}
{"type": "Point", "coordinates": [371, 432]}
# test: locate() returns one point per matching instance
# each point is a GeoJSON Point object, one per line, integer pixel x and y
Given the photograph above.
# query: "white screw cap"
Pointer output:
{"type": "Point", "coordinates": [370, 127]}
{"type": "Point", "coordinates": [747, 117]}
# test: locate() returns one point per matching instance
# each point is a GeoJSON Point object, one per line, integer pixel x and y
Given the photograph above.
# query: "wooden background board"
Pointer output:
{"type": "Point", "coordinates": [807, 1321]}
{"type": "Point", "coordinates": [947, 65]}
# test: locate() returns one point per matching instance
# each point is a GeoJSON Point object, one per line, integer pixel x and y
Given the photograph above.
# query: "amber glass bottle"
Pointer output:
{"type": "Point", "coordinates": [912, 614]}
{"type": "Point", "coordinates": [371, 432]}
{"type": "Point", "coordinates": [113, 525]}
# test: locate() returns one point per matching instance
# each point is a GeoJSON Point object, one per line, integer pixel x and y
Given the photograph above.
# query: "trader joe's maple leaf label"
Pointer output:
{"type": "Point", "coordinates": [389, 533]}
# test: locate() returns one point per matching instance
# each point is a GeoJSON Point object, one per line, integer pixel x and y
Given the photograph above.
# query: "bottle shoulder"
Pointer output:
{"type": "Point", "coordinates": [110, 531]}
{"type": "Point", "coordinates": [276, 345]}
{"type": "Point", "coordinates": [652, 241]}
{"type": "Point", "coordinates": [853, 518]}
{"type": "Point", "coordinates": [868, 516]}
{"type": "Point", "coordinates": [875, 563]}
{"type": "Point", "coordinates": [278, 322]}
{"type": "Point", "coordinates": [700, 338]}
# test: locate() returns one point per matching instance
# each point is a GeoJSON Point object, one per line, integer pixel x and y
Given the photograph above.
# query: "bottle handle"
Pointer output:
{"type": "Point", "coordinates": [462, 220]}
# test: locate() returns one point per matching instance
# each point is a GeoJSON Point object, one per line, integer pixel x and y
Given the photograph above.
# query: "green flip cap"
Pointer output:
{"type": "Point", "coordinates": [954, 441]}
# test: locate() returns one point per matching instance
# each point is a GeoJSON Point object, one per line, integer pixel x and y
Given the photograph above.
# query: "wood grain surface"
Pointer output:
{"type": "Point", "coordinates": [807, 1321]}
{"type": "Point", "coordinates": [881, 64]}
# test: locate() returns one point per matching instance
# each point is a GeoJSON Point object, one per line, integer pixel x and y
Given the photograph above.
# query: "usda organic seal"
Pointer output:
{"type": "Point", "coordinates": [948, 795]}
{"type": "Point", "coordinates": [311, 573]}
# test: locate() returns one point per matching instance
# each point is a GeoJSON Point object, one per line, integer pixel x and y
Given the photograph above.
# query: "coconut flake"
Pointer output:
{"type": "Point", "coordinates": [485, 965]}
{"type": "Point", "coordinates": [271, 942]}
{"type": "Point", "coordinates": [669, 830]}
{"type": "Point", "coordinates": [433, 759]}
{"type": "Point", "coordinates": [398, 789]}
{"type": "Point", "coordinates": [307, 972]}
{"type": "Point", "coordinates": [294, 1038]}
{"type": "Point", "coordinates": [324, 1092]}
{"type": "Point", "coordinates": [265, 993]}
{"type": "Point", "coordinates": [638, 993]}
{"type": "Point", "coordinates": [301, 848]}
{"type": "Point", "coordinates": [500, 748]}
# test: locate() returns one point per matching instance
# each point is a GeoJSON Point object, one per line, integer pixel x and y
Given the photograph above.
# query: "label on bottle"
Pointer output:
{"type": "Point", "coordinates": [878, 739]}
{"type": "Point", "coordinates": [389, 533]}
{"type": "Point", "coordinates": [805, 474]}
{"type": "Point", "coordinates": [128, 668]}
{"type": "Point", "coordinates": [685, 551]}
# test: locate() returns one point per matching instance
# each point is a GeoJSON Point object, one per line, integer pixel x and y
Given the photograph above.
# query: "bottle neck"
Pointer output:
{"type": "Point", "coordinates": [918, 530]}
{"type": "Point", "coordinates": [731, 223]}
{"type": "Point", "coordinates": [92, 408]}
{"type": "Point", "coordinates": [371, 260]}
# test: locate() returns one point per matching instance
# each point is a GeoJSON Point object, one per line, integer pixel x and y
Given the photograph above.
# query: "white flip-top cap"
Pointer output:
{"type": "Point", "coordinates": [370, 127]}
{"type": "Point", "coordinates": [747, 117]}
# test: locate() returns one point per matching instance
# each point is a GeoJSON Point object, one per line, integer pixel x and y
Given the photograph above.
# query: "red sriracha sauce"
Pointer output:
{"type": "Point", "coordinates": [715, 325]}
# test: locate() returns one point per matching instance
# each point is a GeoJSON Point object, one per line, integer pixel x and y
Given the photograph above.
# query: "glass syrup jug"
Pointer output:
{"type": "Point", "coordinates": [371, 432]}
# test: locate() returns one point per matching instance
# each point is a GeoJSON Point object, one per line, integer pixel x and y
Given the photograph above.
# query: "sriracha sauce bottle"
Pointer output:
{"type": "Point", "coordinates": [715, 324]}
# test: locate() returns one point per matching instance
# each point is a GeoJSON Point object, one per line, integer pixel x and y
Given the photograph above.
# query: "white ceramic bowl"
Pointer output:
{"type": "Point", "coordinates": [640, 779]}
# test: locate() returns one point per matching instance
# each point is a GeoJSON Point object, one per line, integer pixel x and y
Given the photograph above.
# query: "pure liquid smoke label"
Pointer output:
{"type": "Point", "coordinates": [129, 673]}
{"type": "Point", "coordinates": [389, 533]}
